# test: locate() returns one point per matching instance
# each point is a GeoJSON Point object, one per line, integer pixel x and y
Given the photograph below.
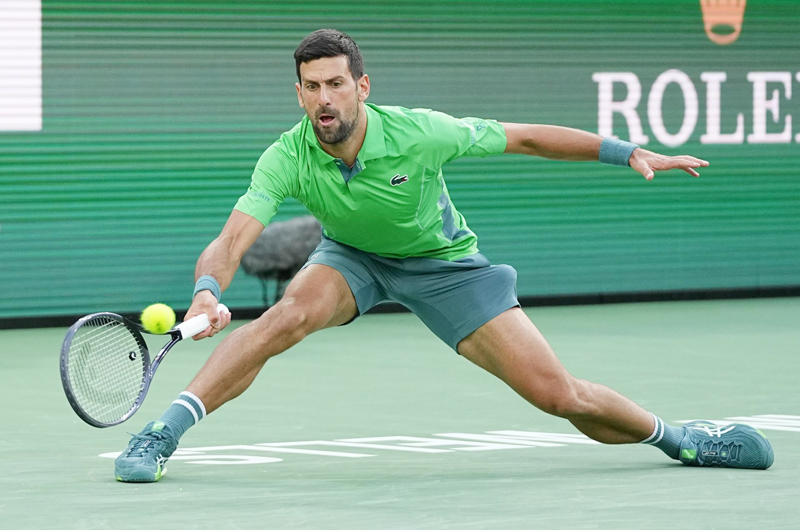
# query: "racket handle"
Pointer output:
{"type": "Point", "coordinates": [197, 324]}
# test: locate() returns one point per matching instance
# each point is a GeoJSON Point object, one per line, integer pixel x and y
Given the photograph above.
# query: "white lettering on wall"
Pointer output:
{"type": "Point", "coordinates": [627, 107]}
{"type": "Point", "coordinates": [797, 138]}
{"type": "Point", "coordinates": [690, 108]}
{"type": "Point", "coordinates": [20, 65]}
{"type": "Point", "coordinates": [713, 134]}
{"type": "Point", "coordinates": [761, 105]}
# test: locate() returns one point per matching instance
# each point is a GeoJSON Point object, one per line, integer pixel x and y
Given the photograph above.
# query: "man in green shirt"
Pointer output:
{"type": "Point", "coordinates": [372, 176]}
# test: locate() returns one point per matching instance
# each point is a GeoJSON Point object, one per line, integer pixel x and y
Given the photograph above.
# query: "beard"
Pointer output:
{"type": "Point", "coordinates": [332, 136]}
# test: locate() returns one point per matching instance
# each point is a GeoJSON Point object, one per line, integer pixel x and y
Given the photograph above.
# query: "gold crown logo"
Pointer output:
{"type": "Point", "coordinates": [723, 13]}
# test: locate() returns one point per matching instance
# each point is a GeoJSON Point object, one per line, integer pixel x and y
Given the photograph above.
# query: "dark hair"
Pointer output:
{"type": "Point", "coordinates": [329, 43]}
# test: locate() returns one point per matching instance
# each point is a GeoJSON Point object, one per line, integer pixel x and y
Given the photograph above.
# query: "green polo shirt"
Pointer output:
{"type": "Point", "coordinates": [393, 201]}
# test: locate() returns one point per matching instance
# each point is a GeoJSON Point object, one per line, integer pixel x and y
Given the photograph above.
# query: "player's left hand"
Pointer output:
{"type": "Point", "coordinates": [647, 162]}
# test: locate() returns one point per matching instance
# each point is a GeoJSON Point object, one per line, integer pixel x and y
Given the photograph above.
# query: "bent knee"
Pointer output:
{"type": "Point", "coordinates": [289, 317]}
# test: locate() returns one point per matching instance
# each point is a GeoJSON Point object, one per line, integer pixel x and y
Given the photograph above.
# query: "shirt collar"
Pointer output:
{"type": "Point", "coordinates": [374, 145]}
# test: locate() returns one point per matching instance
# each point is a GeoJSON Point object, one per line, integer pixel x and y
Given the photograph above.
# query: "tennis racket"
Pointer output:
{"type": "Point", "coordinates": [106, 368]}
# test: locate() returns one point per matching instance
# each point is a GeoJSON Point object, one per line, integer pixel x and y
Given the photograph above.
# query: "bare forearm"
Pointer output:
{"type": "Point", "coordinates": [563, 143]}
{"type": "Point", "coordinates": [552, 141]}
{"type": "Point", "coordinates": [221, 258]}
{"type": "Point", "coordinates": [218, 260]}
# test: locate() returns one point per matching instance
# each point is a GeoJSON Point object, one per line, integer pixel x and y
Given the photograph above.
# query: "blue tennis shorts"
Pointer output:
{"type": "Point", "coordinates": [452, 298]}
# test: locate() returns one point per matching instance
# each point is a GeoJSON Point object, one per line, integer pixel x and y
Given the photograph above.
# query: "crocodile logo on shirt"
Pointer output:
{"type": "Point", "coordinates": [398, 179]}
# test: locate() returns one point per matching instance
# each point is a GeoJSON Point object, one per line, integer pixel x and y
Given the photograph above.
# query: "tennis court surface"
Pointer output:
{"type": "Point", "coordinates": [378, 425]}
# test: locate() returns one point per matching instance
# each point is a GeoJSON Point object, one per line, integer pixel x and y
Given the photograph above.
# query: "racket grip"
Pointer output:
{"type": "Point", "coordinates": [197, 324]}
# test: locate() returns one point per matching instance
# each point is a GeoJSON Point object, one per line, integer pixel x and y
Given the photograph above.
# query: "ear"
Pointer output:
{"type": "Point", "coordinates": [299, 96]}
{"type": "Point", "coordinates": [363, 88]}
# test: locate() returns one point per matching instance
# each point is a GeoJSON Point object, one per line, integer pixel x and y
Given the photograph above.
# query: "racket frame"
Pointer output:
{"type": "Point", "coordinates": [176, 335]}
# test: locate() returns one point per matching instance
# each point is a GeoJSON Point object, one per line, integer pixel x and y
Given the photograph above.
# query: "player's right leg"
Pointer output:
{"type": "Point", "coordinates": [318, 297]}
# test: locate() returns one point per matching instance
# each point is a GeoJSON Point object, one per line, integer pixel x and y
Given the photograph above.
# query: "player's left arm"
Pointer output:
{"type": "Point", "coordinates": [563, 143]}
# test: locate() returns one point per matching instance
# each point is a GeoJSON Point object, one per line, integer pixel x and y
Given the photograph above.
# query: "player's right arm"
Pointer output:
{"type": "Point", "coordinates": [274, 178]}
{"type": "Point", "coordinates": [221, 259]}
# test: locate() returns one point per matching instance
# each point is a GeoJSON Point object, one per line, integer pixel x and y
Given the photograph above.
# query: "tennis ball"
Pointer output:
{"type": "Point", "coordinates": [158, 318]}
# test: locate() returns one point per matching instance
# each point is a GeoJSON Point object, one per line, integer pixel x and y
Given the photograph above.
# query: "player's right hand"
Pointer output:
{"type": "Point", "coordinates": [205, 302]}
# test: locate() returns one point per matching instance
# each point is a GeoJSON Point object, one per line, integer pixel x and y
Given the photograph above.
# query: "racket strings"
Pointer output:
{"type": "Point", "coordinates": [108, 379]}
{"type": "Point", "coordinates": [93, 376]}
{"type": "Point", "coordinates": [106, 368]}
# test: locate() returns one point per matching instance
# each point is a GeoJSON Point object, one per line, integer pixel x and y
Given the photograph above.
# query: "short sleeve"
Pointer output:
{"type": "Point", "coordinates": [274, 178]}
{"type": "Point", "coordinates": [457, 137]}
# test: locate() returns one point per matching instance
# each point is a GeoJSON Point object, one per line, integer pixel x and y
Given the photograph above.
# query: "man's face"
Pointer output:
{"type": "Point", "coordinates": [331, 97]}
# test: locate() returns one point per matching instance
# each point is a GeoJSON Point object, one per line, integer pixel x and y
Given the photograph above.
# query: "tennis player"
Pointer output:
{"type": "Point", "coordinates": [372, 175]}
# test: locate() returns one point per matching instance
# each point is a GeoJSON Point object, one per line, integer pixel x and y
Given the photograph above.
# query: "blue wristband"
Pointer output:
{"type": "Point", "coordinates": [616, 152]}
{"type": "Point", "coordinates": [207, 283]}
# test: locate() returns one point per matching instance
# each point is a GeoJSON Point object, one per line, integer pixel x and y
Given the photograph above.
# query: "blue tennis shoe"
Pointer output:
{"type": "Point", "coordinates": [146, 456]}
{"type": "Point", "coordinates": [735, 445]}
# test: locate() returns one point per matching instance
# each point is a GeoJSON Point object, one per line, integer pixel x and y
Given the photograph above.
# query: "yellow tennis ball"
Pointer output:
{"type": "Point", "coordinates": [158, 318]}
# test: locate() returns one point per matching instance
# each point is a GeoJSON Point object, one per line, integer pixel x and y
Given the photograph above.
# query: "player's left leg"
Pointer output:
{"type": "Point", "coordinates": [472, 306]}
{"type": "Point", "coordinates": [510, 347]}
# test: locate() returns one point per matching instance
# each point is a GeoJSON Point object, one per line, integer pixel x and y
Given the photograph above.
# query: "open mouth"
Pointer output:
{"type": "Point", "coordinates": [326, 119]}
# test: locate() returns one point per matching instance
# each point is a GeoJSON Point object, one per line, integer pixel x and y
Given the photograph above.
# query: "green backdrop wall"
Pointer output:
{"type": "Point", "coordinates": [153, 115]}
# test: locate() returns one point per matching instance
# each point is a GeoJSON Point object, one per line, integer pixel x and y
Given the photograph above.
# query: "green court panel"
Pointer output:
{"type": "Point", "coordinates": [154, 114]}
{"type": "Point", "coordinates": [387, 376]}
